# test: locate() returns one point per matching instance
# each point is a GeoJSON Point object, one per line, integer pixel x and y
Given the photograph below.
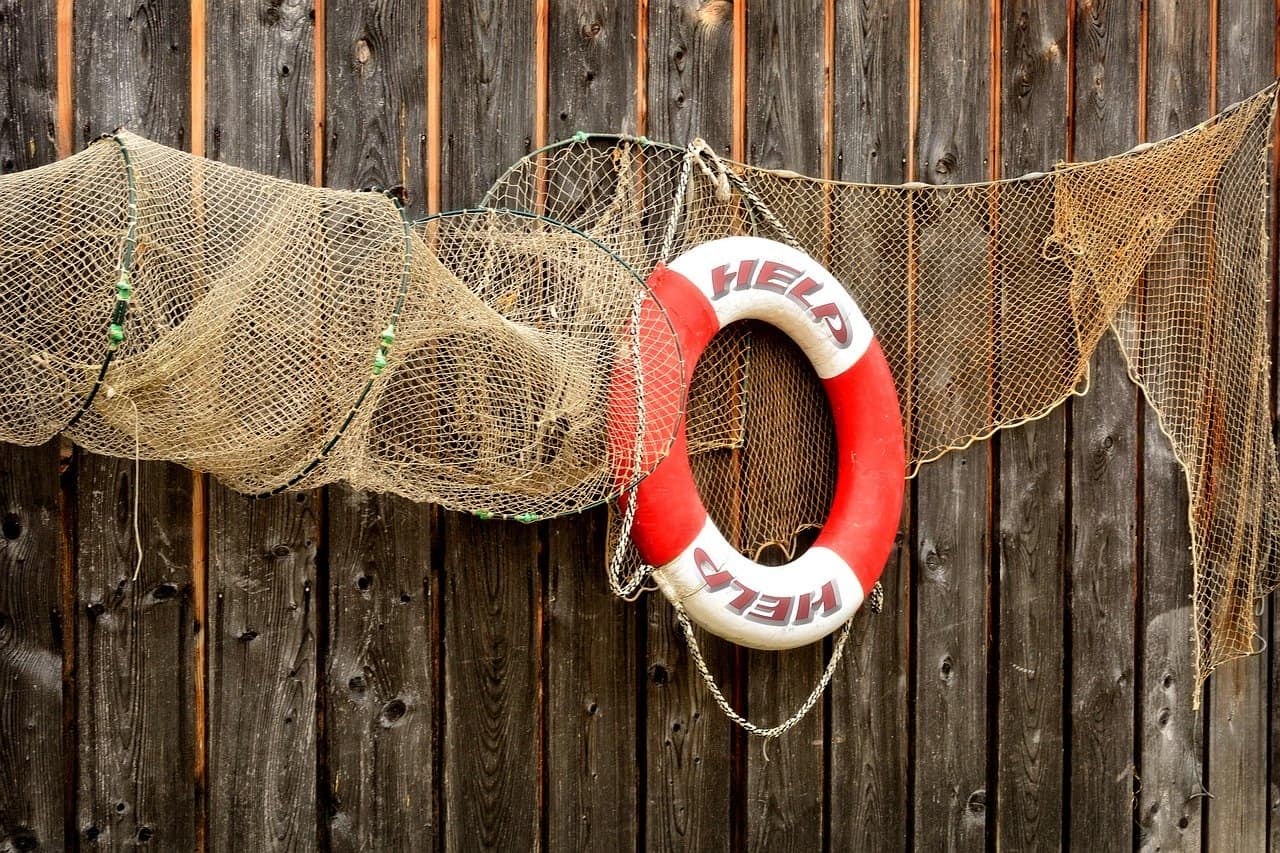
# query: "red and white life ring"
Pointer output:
{"type": "Point", "coordinates": [777, 607]}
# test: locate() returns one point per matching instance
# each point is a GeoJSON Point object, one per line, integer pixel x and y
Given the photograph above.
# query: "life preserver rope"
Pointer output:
{"type": "Point", "coordinates": [777, 607]}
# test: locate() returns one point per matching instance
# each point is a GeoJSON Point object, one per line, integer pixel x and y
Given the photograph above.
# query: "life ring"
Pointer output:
{"type": "Point", "coordinates": [777, 607]}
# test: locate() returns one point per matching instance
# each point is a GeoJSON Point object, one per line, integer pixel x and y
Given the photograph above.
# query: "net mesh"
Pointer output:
{"type": "Point", "coordinates": [989, 300]}
{"type": "Point", "coordinates": [282, 336]}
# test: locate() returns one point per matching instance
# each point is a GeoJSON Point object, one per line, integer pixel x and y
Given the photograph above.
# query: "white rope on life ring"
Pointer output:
{"type": "Point", "coordinates": [777, 607]}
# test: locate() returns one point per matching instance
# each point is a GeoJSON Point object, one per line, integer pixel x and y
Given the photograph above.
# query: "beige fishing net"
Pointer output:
{"type": "Point", "coordinates": [989, 300]}
{"type": "Point", "coordinates": [281, 336]}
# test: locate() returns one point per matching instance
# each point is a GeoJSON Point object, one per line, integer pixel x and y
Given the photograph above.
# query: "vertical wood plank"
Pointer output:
{"type": "Point", "coordinates": [380, 706]}
{"type": "Point", "coordinates": [31, 617]}
{"type": "Point", "coordinates": [785, 92]}
{"type": "Point", "coordinates": [134, 640]}
{"type": "Point", "coordinates": [953, 494]}
{"type": "Point", "coordinates": [491, 573]}
{"type": "Point", "coordinates": [1170, 767]}
{"type": "Point", "coordinates": [1032, 503]}
{"type": "Point", "coordinates": [1104, 480]}
{"type": "Point", "coordinates": [591, 691]}
{"type": "Point", "coordinates": [867, 763]}
{"type": "Point", "coordinates": [1236, 817]}
{"type": "Point", "coordinates": [687, 742]}
{"type": "Point", "coordinates": [262, 553]}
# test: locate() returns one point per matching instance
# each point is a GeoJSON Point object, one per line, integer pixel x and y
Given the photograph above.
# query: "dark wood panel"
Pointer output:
{"type": "Point", "coordinates": [1171, 733]}
{"type": "Point", "coordinates": [135, 655]}
{"type": "Point", "coordinates": [382, 663]}
{"type": "Point", "coordinates": [687, 742]}
{"type": "Point", "coordinates": [31, 609]}
{"type": "Point", "coordinates": [376, 97]}
{"type": "Point", "coordinates": [785, 782]}
{"type": "Point", "coordinates": [953, 494]}
{"type": "Point", "coordinates": [262, 553]}
{"type": "Point", "coordinates": [31, 624]}
{"type": "Point", "coordinates": [1104, 481]}
{"type": "Point", "coordinates": [493, 741]}
{"type": "Point", "coordinates": [381, 677]}
{"type": "Point", "coordinates": [1236, 817]}
{"type": "Point", "coordinates": [867, 764]}
{"type": "Point", "coordinates": [591, 672]}
{"type": "Point", "coordinates": [1032, 505]}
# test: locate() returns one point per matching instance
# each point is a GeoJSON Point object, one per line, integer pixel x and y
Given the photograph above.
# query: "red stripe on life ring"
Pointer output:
{"type": "Point", "coordinates": [669, 532]}
{"type": "Point", "coordinates": [867, 506]}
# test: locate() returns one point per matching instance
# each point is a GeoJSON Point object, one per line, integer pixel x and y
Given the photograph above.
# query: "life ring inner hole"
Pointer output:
{"type": "Point", "coordinates": [770, 497]}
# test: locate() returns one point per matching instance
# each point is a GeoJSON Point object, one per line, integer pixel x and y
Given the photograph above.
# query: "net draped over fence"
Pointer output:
{"type": "Point", "coordinates": [989, 300]}
{"type": "Point", "coordinates": [281, 337]}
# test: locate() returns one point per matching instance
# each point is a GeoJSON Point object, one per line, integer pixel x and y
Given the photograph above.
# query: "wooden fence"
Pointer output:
{"type": "Point", "coordinates": [347, 671]}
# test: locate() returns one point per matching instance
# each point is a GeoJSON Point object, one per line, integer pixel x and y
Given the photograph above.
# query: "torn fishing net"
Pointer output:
{"type": "Point", "coordinates": [989, 300]}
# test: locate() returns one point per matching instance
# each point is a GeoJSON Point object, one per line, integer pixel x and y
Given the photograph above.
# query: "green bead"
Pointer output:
{"type": "Point", "coordinates": [116, 333]}
{"type": "Point", "coordinates": [124, 287]}
{"type": "Point", "coordinates": [388, 336]}
{"type": "Point", "coordinates": [644, 140]}
{"type": "Point", "coordinates": [379, 363]}
{"type": "Point", "coordinates": [526, 517]}
{"type": "Point", "coordinates": [580, 136]}
{"type": "Point", "coordinates": [483, 516]}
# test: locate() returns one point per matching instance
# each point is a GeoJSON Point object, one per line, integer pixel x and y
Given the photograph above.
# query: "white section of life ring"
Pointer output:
{"type": "Point", "coordinates": [731, 273]}
{"type": "Point", "coordinates": [761, 607]}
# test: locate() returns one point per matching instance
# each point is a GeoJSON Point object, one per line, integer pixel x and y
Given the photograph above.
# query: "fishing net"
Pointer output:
{"type": "Point", "coordinates": [280, 336]}
{"type": "Point", "coordinates": [989, 300]}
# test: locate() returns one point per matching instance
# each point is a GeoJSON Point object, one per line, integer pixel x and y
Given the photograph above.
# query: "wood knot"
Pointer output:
{"type": "Point", "coordinates": [11, 526]}
{"type": "Point", "coordinates": [363, 52]}
{"type": "Point", "coordinates": [392, 713]}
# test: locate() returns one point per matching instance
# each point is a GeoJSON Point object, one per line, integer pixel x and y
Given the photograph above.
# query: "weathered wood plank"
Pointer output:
{"type": "Point", "coordinates": [381, 674]}
{"type": "Point", "coordinates": [1236, 817]}
{"type": "Point", "coordinates": [785, 781]}
{"type": "Point", "coordinates": [135, 658]}
{"type": "Point", "coordinates": [262, 553]}
{"type": "Point", "coordinates": [868, 760]}
{"type": "Point", "coordinates": [31, 623]}
{"type": "Point", "coordinates": [687, 742]}
{"type": "Point", "coordinates": [31, 617]}
{"type": "Point", "coordinates": [953, 494]}
{"type": "Point", "coordinates": [1104, 481]}
{"type": "Point", "coordinates": [375, 113]}
{"type": "Point", "coordinates": [1032, 505]}
{"type": "Point", "coordinates": [491, 573]}
{"type": "Point", "coordinates": [1170, 765]}
{"type": "Point", "coordinates": [591, 672]}
{"type": "Point", "coordinates": [383, 651]}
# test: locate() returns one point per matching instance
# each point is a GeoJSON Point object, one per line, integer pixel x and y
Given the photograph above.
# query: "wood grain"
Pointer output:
{"type": "Point", "coordinates": [591, 636]}
{"type": "Point", "coordinates": [31, 610]}
{"type": "Point", "coordinates": [1236, 818]}
{"type": "Point", "coordinates": [687, 742]}
{"type": "Point", "coordinates": [867, 765]}
{"type": "Point", "coordinates": [1032, 504]}
{"type": "Point", "coordinates": [135, 656]}
{"type": "Point", "coordinates": [262, 553]}
{"type": "Point", "coordinates": [493, 736]}
{"type": "Point", "coordinates": [785, 783]}
{"type": "Point", "coordinates": [383, 656]}
{"type": "Point", "coordinates": [953, 494]}
{"type": "Point", "coordinates": [1104, 481]}
{"type": "Point", "coordinates": [1171, 733]}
